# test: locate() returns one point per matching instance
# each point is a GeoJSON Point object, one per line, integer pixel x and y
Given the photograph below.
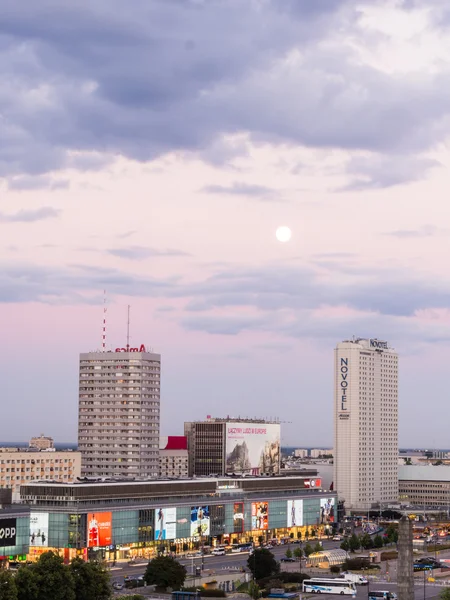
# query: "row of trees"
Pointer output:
{"type": "Point", "coordinates": [366, 542]}
{"type": "Point", "coordinates": [50, 579]}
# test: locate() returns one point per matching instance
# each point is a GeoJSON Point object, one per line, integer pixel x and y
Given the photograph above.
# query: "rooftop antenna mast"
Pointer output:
{"type": "Point", "coordinates": [128, 329]}
{"type": "Point", "coordinates": [105, 308]}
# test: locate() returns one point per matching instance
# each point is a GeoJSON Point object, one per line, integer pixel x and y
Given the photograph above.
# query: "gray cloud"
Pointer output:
{"type": "Point", "coordinates": [30, 216]}
{"type": "Point", "coordinates": [198, 88]}
{"type": "Point", "coordinates": [36, 182]}
{"type": "Point", "coordinates": [143, 252]}
{"type": "Point", "coordinates": [425, 231]}
{"type": "Point", "coordinates": [243, 189]}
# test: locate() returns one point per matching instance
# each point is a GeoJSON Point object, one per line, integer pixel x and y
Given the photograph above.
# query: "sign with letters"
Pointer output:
{"type": "Point", "coordinates": [378, 345]}
{"type": "Point", "coordinates": [343, 384]}
{"type": "Point", "coordinates": [129, 349]}
{"type": "Point", "coordinates": [8, 530]}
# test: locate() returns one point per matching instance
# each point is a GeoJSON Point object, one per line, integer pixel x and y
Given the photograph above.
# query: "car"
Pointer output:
{"type": "Point", "coordinates": [287, 559]}
{"type": "Point", "coordinates": [337, 538]}
{"type": "Point", "coordinates": [218, 552]}
{"type": "Point", "coordinates": [117, 585]}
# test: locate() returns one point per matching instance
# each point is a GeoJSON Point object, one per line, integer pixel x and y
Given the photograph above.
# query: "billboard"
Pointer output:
{"type": "Point", "coordinates": [260, 515]}
{"type": "Point", "coordinates": [313, 483]}
{"type": "Point", "coordinates": [327, 509]}
{"type": "Point", "coordinates": [252, 448]}
{"type": "Point", "coordinates": [99, 529]}
{"type": "Point", "coordinates": [165, 523]}
{"type": "Point", "coordinates": [200, 523]}
{"type": "Point", "coordinates": [238, 517]}
{"type": "Point", "coordinates": [295, 513]}
{"type": "Point", "coordinates": [8, 528]}
{"type": "Point", "coordinates": [39, 529]}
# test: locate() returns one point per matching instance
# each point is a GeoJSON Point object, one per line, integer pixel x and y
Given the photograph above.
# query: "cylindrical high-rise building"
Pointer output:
{"type": "Point", "coordinates": [118, 419]}
{"type": "Point", "coordinates": [365, 423]}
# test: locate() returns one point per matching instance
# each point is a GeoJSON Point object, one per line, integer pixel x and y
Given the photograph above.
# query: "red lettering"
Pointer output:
{"type": "Point", "coordinates": [140, 349]}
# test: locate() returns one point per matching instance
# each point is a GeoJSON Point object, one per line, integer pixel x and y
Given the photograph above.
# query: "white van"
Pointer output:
{"type": "Point", "coordinates": [385, 595]}
{"type": "Point", "coordinates": [355, 578]}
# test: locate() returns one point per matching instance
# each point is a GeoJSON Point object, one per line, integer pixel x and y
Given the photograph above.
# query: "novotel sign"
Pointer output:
{"type": "Point", "coordinates": [343, 383]}
{"type": "Point", "coordinates": [128, 348]}
{"type": "Point", "coordinates": [378, 345]}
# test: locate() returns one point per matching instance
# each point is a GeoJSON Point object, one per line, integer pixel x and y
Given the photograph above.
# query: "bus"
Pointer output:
{"type": "Point", "coordinates": [241, 548]}
{"type": "Point", "coordinates": [329, 586]}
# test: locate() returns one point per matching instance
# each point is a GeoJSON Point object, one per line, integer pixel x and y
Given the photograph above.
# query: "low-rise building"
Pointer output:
{"type": "Point", "coordinates": [173, 456]}
{"type": "Point", "coordinates": [19, 466]}
{"type": "Point", "coordinates": [42, 442]}
{"type": "Point", "coordinates": [424, 485]}
{"type": "Point", "coordinates": [301, 453]}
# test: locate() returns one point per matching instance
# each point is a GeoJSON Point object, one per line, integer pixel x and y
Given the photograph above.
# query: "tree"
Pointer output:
{"type": "Point", "coordinates": [26, 583]}
{"type": "Point", "coordinates": [445, 594]}
{"type": "Point", "coordinates": [345, 545]}
{"type": "Point", "coordinates": [318, 547]}
{"type": "Point", "coordinates": [254, 590]}
{"type": "Point", "coordinates": [288, 553]}
{"type": "Point", "coordinates": [299, 535]}
{"type": "Point", "coordinates": [47, 579]}
{"type": "Point", "coordinates": [91, 580]}
{"type": "Point", "coordinates": [354, 543]}
{"type": "Point", "coordinates": [308, 549]}
{"type": "Point", "coordinates": [298, 552]}
{"type": "Point", "coordinates": [8, 589]}
{"type": "Point", "coordinates": [378, 541]}
{"type": "Point", "coordinates": [262, 563]}
{"type": "Point", "coordinates": [165, 572]}
{"type": "Point", "coordinates": [366, 541]}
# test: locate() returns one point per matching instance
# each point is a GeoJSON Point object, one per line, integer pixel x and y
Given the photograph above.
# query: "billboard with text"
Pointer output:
{"type": "Point", "coordinates": [200, 522]}
{"type": "Point", "coordinates": [8, 528]}
{"type": "Point", "coordinates": [99, 529]}
{"type": "Point", "coordinates": [39, 529]}
{"type": "Point", "coordinates": [327, 508]}
{"type": "Point", "coordinates": [252, 448]}
{"type": "Point", "coordinates": [238, 517]}
{"type": "Point", "coordinates": [260, 515]}
{"type": "Point", "coordinates": [166, 523]}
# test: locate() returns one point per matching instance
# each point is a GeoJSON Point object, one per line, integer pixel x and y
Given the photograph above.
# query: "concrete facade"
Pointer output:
{"type": "Point", "coordinates": [365, 423]}
{"type": "Point", "coordinates": [405, 569]}
{"type": "Point", "coordinates": [119, 412]}
{"type": "Point", "coordinates": [173, 456]}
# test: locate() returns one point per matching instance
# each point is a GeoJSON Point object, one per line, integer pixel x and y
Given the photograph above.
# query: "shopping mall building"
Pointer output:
{"type": "Point", "coordinates": [115, 520]}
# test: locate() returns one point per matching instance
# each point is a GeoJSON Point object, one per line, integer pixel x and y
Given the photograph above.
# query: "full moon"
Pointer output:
{"type": "Point", "coordinates": [283, 234]}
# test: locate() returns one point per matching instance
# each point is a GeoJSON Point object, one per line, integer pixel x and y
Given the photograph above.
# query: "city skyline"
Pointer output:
{"type": "Point", "coordinates": [157, 162]}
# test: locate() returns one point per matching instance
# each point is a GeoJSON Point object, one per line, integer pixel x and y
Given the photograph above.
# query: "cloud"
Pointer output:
{"type": "Point", "coordinates": [243, 189]}
{"type": "Point", "coordinates": [36, 182]}
{"type": "Point", "coordinates": [127, 234]}
{"type": "Point", "coordinates": [142, 252]}
{"type": "Point", "coordinates": [75, 84]}
{"type": "Point", "coordinates": [30, 216]}
{"type": "Point", "coordinates": [424, 231]}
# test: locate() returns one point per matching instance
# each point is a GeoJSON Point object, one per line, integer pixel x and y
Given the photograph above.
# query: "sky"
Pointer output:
{"type": "Point", "coordinates": [151, 149]}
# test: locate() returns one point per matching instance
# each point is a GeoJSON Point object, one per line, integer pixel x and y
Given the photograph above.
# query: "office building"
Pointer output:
{"type": "Point", "coordinates": [220, 446]}
{"type": "Point", "coordinates": [424, 486]}
{"type": "Point", "coordinates": [366, 423]}
{"type": "Point", "coordinates": [42, 442]}
{"type": "Point", "coordinates": [19, 466]}
{"type": "Point", "coordinates": [118, 419]}
{"type": "Point", "coordinates": [173, 456]}
{"type": "Point", "coordinates": [120, 519]}
{"type": "Point", "coordinates": [301, 453]}
{"type": "Point", "coordinates": [321, 452]}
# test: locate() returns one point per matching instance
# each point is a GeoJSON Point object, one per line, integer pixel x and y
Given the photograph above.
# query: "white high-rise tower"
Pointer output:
{"type": "Point", "coordinates": [365, 423]}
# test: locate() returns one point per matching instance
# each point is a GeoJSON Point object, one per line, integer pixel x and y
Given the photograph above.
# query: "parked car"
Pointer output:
{"type": "Point", "coordinates": [287, 559]}
{"type": "Point", "coordinates": [218, 552]}
{"type": "Point", "coordinates": [117, 585]}
{"type": "Point", "coordinates": [337, 538]}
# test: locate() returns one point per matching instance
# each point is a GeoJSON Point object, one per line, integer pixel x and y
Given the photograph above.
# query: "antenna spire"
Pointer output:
{"type": "Point", "coordinates": [128, 329]}
{"type": "Point", "coordinates": [105, 308]}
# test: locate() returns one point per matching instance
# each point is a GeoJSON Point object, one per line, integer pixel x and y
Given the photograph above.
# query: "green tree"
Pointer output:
{"type": "Point", "coordinates": [165, 572]}
{"type": "Point", "coordinates": [378, 541]}
{"type": "Point", "coordinates": [345, 545]}
{"type": "Point", "coordinates": [50, 579]}
{"type": "Point", "coordinates": [306, 534]}
{"type": "Point", "coordinates": [8, 589]}
{"type": "Point", "coordinates": [308, 549]}
{"type": "Point", "coordinates": [91, 580]}
{"type": "Point", "coordinates": [299, 535]}
{"type": "Point", "coordinates": [26, 583]}
{"type": "Point", "coordinates": [366, 541]}
{"type": "Point", "coordinates": [262, 563]}
{"type": "Point", "coordinates": [445, 594]}
{"type": "Point", "coordinates": [318, 547]}
{"type": "Point", "coordinates": [288, 553]}
{"type": "Point", "coordinates": [354, 543]}
{"type": "Point", "coordinates": [254, 590]}
{"type": "Point", "coordinates": [298, 552]}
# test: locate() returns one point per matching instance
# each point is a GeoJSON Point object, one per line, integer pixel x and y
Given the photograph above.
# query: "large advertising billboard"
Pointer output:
{"type": "Point", "coordinates": [39, 529]}
{"type": "Point", "coordinates": [200, 522]}
{"type": "Point", "coordinates": [295, 513]}
{"type": "Point", "coordinates": [238, 517]}
{"type": "Point", "coordinates": [8, 528]}
{"type": "Point", "coordinates": [260, 515]}
{"type": "Point", "coordinates": [252, 448]}
{"type": "Point", "coordinates": [166, 523]}
{"type": "Point", "coordinates": [99, 529]}
{"type": "Point", "coordinates": [327, 509]}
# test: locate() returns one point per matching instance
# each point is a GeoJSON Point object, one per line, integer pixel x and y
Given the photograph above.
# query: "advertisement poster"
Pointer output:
{"type": "Point", "coordinates": [295, 513]}
{"type": "Point", "coordinates": [252, 449]}
{"type": "Point", "coordinates": [238, 517]}
{"type": "Point", "coordinates": [99, 529]}
{"type": "Point", "coordinates": [327, 510]}
{"type": "Point", "coordinates": [200, 523]}
{"type": "Point", "coordinates": [39, 529]}
{"type": "Point", "coordinates": [165, 523]}
{"type": "Point", "coordinates": [8, 528]}
{"type": "Point", "coordinates": [260, 515]}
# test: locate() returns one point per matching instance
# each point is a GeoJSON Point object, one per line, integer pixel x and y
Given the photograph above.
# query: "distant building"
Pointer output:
{"type": "Point", "coordinates": [42, 442]}
{"type": "Point", "coordinates": [19, 466]}
{"type": "Point", "coordinates": [173, 456]}
{"type": "Point", "coordinates": [424, 485]}
{"type": "Point", "coordinates": [227, 446]}
{"type": "Point", "coordinates": [118, 415]}
{"type": "Point", "coordinates": [365, 423]}
{"type": "Point", "coordinates": [319, 452]}
{"type": "Point", "coordinates": [301, 453]}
